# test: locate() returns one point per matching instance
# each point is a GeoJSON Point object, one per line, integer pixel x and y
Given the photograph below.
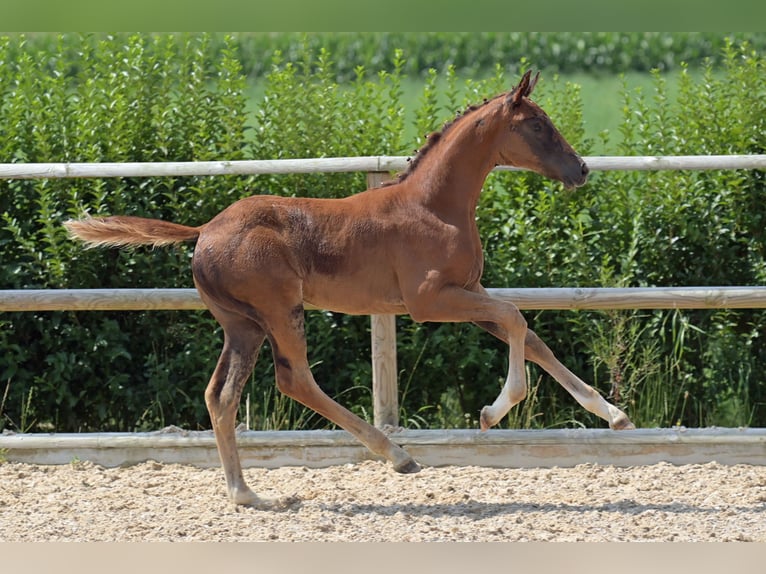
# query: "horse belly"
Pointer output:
{"type": "Point", "coordinates": [353, 295]}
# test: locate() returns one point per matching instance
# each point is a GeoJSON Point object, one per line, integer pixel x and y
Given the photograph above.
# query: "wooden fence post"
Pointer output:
{"type": "Point", "coordinates": [385, 388]}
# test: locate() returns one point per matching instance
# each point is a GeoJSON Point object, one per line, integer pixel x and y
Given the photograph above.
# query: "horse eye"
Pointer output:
{"type": "Point", "coordinates": [537, 125]}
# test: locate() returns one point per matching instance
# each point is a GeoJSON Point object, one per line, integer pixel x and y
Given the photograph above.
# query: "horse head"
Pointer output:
{"type": "Point", "coordinates": [533, 142]}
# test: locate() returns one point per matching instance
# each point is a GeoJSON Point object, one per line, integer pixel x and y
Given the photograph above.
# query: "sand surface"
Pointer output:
{"type": "Point", "coordinates": [370, 502]}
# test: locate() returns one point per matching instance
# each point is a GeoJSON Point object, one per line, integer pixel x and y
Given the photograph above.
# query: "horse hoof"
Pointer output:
{"type": "Point", "coordinates": [622, 423]}
{"type": "Point", "coordinates": [484, 422]}
{"type": "Point", "coordinates": [407, 467]}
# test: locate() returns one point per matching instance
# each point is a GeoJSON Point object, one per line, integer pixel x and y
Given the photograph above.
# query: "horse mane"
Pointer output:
{"type": "Point", "coordinates": [435, 137]}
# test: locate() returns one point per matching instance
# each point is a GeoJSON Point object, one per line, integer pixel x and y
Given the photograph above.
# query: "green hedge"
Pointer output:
{"type": "Point", "coordinates": [467, 52]}
{"type": "Point", "coordinates": [161, 98]}
{"type": "Point", "coordinates": [134, 100]}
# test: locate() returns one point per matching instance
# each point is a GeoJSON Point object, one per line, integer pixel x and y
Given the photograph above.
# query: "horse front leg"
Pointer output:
{"type": "Point", "coordinates": [539, 353]}
{"type": "Point", "coordinates": [453, 304]}
{"type": "Point", "coordinates": [515, 388]}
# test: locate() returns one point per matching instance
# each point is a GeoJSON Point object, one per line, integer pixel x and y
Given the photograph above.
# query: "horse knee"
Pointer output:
{"type": "Point", "coordinates": [516, 322]}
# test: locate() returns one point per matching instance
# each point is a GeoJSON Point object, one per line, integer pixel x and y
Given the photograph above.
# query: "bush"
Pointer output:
{"type": "Point", "coordinates": [165, 98]}
{"type": "Point", "coordinates": [138, 100]}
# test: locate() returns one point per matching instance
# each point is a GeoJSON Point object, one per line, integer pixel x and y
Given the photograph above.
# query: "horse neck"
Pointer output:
{"type": "Point", "coordinates": [450, 176]}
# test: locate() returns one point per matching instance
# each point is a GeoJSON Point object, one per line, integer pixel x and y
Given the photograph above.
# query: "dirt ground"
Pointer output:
{"type": "Point", "coordinates": [370, 502]}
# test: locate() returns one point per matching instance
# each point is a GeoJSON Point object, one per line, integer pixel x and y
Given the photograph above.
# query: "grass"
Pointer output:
{"type": "Point", "coordinates": [24, 424]}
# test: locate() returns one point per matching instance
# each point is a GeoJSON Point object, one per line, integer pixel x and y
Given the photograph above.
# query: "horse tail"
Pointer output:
{"type": "Point", "coordinates": [127, 231]}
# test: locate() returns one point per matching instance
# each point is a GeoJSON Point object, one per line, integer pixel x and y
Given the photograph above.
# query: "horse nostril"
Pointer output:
{"type": "Point", "coordinates": [585, 170]}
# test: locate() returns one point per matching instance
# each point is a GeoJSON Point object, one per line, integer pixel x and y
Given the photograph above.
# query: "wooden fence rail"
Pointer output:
{"type": "Point", "coordinates": [383, 331]}
{"type": "Point", "coordinates": [554, 298]}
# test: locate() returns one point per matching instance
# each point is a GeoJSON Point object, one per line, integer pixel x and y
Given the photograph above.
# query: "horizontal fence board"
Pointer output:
{"type": "Point", "coordinates": [200, 168]}
{"type": "Point", "coordinates": [562, 298]}
{"type": "Point", "coordinates": [99, 299]}
{"type": "Point", "coordinates": [582, 298]}
{"type": "Point", "coordinates": [681, 162]}
{"type": "Point", "coordinates": [316, 449]}
{"type": "Point", "coordinates": [343, 164]}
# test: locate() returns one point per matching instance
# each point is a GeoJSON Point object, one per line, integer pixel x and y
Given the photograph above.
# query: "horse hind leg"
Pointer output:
{"type": "Point", "coordinates": [294, 379]}
{"type": "Point", "coordinates": [242, 342]}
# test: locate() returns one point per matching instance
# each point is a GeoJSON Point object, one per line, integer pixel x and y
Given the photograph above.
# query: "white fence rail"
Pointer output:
{"type": "Point", "coordinates": [381, 163]}
{"type": "Point", "coordinates": [383, 327]}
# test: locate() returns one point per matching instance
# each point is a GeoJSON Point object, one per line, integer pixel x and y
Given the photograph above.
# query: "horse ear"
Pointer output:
{"type": "Point", "coordinates": [522, 90]}
{"type": "Point", "coordinates": [532, 84]}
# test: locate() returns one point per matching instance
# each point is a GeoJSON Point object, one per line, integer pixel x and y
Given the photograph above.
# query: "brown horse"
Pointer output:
{"type": "Point", "coordinates": [409, 247]}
